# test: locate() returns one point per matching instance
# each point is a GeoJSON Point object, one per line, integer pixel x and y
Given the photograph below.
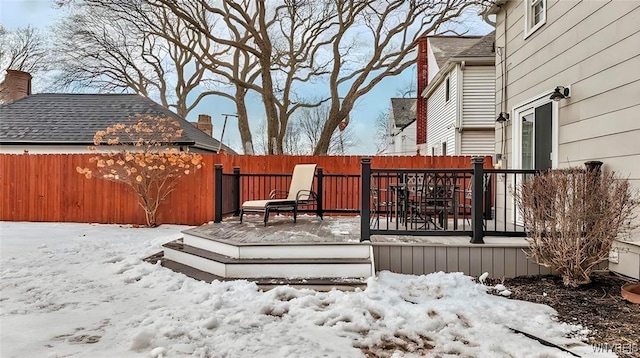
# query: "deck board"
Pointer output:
{"type": "Point", "coordinates": [334, 229]}
{"type": "Point", "coordinates": [500, 256]}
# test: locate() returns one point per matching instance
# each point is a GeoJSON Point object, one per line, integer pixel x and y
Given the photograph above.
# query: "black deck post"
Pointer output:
{"type": "Point", "coordinates": [594, 170]}
{"type": "Point", "coordinates": [365, 200]}
{"type": "Point", "coordinates": [218, 193]}
{"type": "Point", "coordinates": [594, 165]}
{"type": "Point", "coordinates": [487, 189]}
{"type": "Point", "coordinates": [319, 208]}
{"type": "Point", "coordinates": [476, 200]}
{"type": "Point", "coordinates": [236, 190]}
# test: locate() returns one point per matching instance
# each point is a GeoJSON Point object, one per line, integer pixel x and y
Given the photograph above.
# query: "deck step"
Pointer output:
{"type": "Point", "coordinates": [231, 267]}
{"type": "Point", "coordinates": [318, 283]}
{"type": "Point", "coordinates": [280, 250]}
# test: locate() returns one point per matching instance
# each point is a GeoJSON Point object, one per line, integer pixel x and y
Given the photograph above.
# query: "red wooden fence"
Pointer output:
{"type": "Point", "coordinates": [48, 188]}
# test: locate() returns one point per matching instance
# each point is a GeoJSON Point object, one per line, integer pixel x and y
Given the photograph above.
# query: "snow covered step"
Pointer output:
{"type": "Point", "coordinates": [230, 267]}
{"type": "Point", "coordinates": [316, 283]}
{"type": "Point", "coordinates": [294, 250]}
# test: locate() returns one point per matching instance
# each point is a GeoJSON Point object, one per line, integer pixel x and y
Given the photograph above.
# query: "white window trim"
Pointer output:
{"type": "Point", "coordinates": [516, 132]}
{"type": "Point", "coordinates": [528, 31]}
{"type": "Point", "coordinates": [516, 135]}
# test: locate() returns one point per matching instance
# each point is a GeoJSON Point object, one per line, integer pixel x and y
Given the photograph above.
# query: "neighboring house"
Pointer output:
{"type": "Point", "coordinates": [586, 55]}
{"type": "Point", "coordinates": [401, 127]}
{"type": "Point", "coordinates": [459, 95]}
{"type": "Point", "coordinates": [66, 123]}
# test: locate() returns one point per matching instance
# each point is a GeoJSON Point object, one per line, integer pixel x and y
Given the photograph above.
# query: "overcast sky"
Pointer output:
{"type": "Point", "coordinates": [43, 13]}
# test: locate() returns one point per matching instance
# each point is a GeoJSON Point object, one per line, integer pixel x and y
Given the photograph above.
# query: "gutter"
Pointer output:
{"type": "Point", "coordinates": [495, 7]}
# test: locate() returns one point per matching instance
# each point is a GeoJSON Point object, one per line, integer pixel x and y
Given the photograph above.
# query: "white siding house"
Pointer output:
{"type": "Point", "coordinates": [442, 110]}
{"type": "Point", "coordinates": [401, 128]}
{"type": "Point", "coordinates": [591, 48]}
{"type": "Point", "coordinates": [460, 96]}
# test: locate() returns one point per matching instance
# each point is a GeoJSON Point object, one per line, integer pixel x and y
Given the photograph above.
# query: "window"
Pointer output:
{"type": "Point", "coordinates": [535, 15]}
{"type": "Point", "coordinates": [433, 151]}
{"type": "Point", "coordinates": [447, 90]}
{"type": "Point", "coordinates": [444, 148]}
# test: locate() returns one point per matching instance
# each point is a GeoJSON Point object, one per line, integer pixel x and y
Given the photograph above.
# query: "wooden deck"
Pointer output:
{"type": "Point", "coordinates": [332, 230]}
{"type": "Point", "coordinates": [499, 256]}
{"type": "Point", "coordinates": [282, 230]}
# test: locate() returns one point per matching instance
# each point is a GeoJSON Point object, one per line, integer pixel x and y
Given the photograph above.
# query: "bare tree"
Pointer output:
{"type": "Point", "coordinates": [284, 37]}
{"type": "Point", "coordinates": [373, 40]}
{"type": "Point", "coordinates": [23, 49]}
{"type": "Point", "coordinates": [275, 48]}
{"type": "Point", "coordinates": [303, 133]}
{"type": "Point", "coordinates": [112, 48]}
{"type": "Point", "coordinates": [310, 122]}
{"type": "Point", "coordinates": [382, 130]}
{"type": "Point", "coordinates": [232, 69]}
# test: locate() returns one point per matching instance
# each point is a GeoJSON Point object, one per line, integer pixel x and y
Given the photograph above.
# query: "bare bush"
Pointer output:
{"type": "Point", "coordinates": [572, 216]}
{"type": "Point", "coordinates": [143, 156]}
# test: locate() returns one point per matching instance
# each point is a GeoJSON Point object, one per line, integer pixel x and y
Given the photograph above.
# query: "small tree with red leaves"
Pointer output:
{"type": "Point", "coordinates": [143, 155]}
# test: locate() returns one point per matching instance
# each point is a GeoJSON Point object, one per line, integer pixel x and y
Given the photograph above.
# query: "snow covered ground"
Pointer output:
{"type": "Point", "coordinates": [81, 290]}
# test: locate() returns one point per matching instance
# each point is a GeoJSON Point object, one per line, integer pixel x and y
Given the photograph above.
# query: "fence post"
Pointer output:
{"type": "Point", "coordinates": [319, 208]}
{"type": "Point", "coordinates": [217, 179]}
{"type": "Point", "coordinates": [476, 200]}
{"type": "Point", "coordinates": [365, 200]}
{"type": "Point", "coordinates": [594, 170]}
{"type": "Point", "coordinates": [236, 189]}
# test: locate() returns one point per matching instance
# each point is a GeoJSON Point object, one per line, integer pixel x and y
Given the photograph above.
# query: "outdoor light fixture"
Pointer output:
{"type": "Point", "coordinates": [502, 117]}
{"type": "Point", "coordinates": [559, 93]}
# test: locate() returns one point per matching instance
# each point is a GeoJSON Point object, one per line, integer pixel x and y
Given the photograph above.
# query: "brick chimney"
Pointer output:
{"type": "Point", "coordinates": [16, 85]}
{"type": "Point", "coordinates": [204, 124]}
{"type": "Point", "coordinates": [421, 103]}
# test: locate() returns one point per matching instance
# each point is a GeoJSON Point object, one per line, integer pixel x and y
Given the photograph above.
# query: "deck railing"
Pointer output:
{"type": "Point", "coordinates": [441, 202]}
{"type": "Point", "coordinates": [412, 202]}
{"type": "Point", "coordinates": [336, 193]}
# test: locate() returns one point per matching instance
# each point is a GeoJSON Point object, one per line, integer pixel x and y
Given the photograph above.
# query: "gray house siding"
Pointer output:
{"type": "Point", "coordinates": [593, 47]}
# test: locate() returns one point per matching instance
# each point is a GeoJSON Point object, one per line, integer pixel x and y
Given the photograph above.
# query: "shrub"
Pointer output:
{"type": "Point", "coordinates": [572, 216]}
{"type": "Point", "coordinates": [143, 156]}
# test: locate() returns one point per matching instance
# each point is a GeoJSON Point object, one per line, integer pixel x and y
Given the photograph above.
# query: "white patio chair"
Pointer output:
{"type": "Point", "coordinates": [300, 193]}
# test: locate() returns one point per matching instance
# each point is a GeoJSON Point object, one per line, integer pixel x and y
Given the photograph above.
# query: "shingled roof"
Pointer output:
{"type": "Point", "coordinates": [485, 47]}
{"type": "Point", "coordinates": [57, 118]}
{"type": "Point", "coordinates": [403, 111]}
{"type": "Point", "coordinates": [446, 47]}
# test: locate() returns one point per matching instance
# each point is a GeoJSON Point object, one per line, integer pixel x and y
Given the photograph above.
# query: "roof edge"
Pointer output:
{"type": "Point", "coordinates": [495, 7]}
{"type": "Point", "coordinates": [451, 64]}
{"type": "Point", "coordinates": [44, 142]}
{"type": "Point", "coordinates": [439, 77]}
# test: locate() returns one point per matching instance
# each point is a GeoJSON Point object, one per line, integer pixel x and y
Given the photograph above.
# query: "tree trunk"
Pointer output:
{"type": "Point", "coordinates": [324, 142]}
{"type": "Point", "coordinates": [270, 109]}
{"type": "Point", "coordinates": [243, 122]}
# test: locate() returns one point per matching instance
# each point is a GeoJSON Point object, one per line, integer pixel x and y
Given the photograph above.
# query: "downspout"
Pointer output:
{"type": "Point", "coordinates": [459, 99]}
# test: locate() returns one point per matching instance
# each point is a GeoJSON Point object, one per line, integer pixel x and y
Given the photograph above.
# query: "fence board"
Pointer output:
{"type": "Point", "coordinates": [47, 187]}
